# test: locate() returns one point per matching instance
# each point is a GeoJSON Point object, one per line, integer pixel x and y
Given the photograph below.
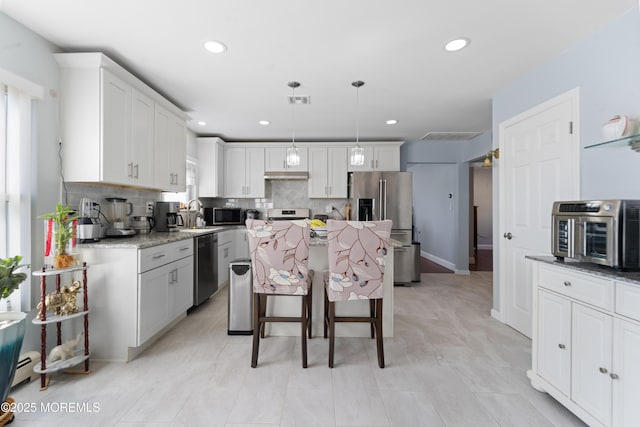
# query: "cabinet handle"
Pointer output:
{"type": "Point", "coordinates": [130, 166]}
{"type": "Point", "coordinates": [567, 283]}
{"type": "Point", "coordinates": [184, 248]}
{"type": "Point", "coordinates": [603, 370]}
{"type": "Point", "coordinates": [284, 164]}
{"type": "Point", "coordinates": [376, 164]}
{"type": "Point", "coordinates": [371, 163]}
{"type": "Point", "coordinates": [330, 190]}
{"type": "Point", "coordinates": [158, 256]}
{"type": "Point", "coordinates": [614, 376]}
{"type": "Point", "coordinates": [562, 346]}
{"type": "Point", "coordinates": [136, 170]}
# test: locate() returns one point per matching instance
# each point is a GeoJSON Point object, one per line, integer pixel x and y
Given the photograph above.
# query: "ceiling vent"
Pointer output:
{"type": "Point", "coordinates": [449, 136]}
{"type": "Point", "coordinates": [299, 99]}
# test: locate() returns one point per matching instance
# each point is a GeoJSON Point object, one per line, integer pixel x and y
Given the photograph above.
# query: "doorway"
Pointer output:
{"type": "Point", "coordinates": [480, 217]}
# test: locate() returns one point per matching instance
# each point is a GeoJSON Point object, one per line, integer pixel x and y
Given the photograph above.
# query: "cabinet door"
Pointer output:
{"type": "Point", "coordinates": [116, 116]}
{"type": "Point", "coordinates": [591, 361]}
{"type": "Point", "coordinates": [369, 161]}
{"type": "Point", "coordinates": [181, 288]}
{"type": "Point", "coordinates": [224, 258]}
{"type": "Point", "coordinates": [153, 301]}
{"type": "Point", "coordinates": [163, 178]}
{"type": "Point", "coordinates": [337, 173]}
{"type": "Point", "coordinates": [386, 158]}
{"type": "Point", "coordinates": [318, 160]}
{"type": "Point", "coordinates": [254, 172]}
{"type": "Point", "coordinates": [626, 371]}
{"type": "Point", "coordinates": [241, 243]}
{"type": "Point", "coordinates": [234, 172]}
{"type": "Point", "coordinates": [554, 340]}
{"type": "Point", "coordinates": [275, 159]}
{"type": "Point", "coordinates": [139, 156]}
{"type": "Point", "coordinates": [178, 153]}
{"type": "Point", "coordinates": [210, 168]}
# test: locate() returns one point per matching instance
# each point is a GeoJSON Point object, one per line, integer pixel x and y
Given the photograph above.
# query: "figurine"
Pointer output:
{"type": "Point", "coordinates": [64, 351]}
{"type": "Point", "coordinates": [63, 301]}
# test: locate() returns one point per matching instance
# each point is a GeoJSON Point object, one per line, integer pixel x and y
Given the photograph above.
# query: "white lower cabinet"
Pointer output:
{"type": "Point", "coordinates": [139, 293]}
{"type": "Point", "coordinates": [586, 355]}
{"type": "Point", "coordinates": [226, 254]}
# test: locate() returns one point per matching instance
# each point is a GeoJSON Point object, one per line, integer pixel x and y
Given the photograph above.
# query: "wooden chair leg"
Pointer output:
{"type": "Point", "coordinates": [379, 343]}
{"type": "Point", "coordinates": [309, 308]}
{"type": "Point", "coordinates": [303, 318]}
{"type": "Point", "coordinates": [332, 331]}
{"type": "Point", "coordinates": [326, 313]}
{"type": "Point", "coordinates": [256, 330]}
{"type": "Point", "coordinates": [372, 314]}
{"type": "Point", "coordinates": [263, 313]}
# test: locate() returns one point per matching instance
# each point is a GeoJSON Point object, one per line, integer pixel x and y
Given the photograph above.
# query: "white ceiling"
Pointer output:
{"type": "Point", "coordinates": [396, 48]}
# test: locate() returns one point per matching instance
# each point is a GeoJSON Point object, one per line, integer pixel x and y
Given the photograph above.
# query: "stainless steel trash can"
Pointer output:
{"type": "Point", "coordinates": [416, 261]}
{"type": "Point", "coordinates": [240, 320]}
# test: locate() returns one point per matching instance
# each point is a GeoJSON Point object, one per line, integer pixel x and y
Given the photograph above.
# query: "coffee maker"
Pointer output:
{"type": "Point", "coordinates": [167, 216]}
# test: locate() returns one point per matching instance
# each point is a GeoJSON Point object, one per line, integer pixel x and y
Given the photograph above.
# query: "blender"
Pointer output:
{"type": "Point", "coordinates": [89, 227]}
{"type": "Point", "coordinates": [117, 213]}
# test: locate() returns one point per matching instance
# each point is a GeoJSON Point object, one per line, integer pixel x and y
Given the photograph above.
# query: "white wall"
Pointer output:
{"type": "Point", "coordinates": [482, 197]}
{"type": "Point", "coordinates": [29, 56]}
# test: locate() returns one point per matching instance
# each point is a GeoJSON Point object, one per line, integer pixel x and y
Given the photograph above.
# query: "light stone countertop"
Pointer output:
{"type": "Point", "coordinates": [142, 241]}
{"type": "Point", "coordinates": [632, 277]}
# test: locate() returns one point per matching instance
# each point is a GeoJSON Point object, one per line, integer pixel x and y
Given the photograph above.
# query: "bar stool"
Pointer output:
{"type": "Point", "coordinates": [356, 272]}
{"type": "Point", "coordinates": [279, 252]}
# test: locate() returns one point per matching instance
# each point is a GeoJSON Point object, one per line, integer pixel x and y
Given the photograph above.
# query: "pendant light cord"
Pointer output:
{"type": "Point", "coordinates": [357, 85]}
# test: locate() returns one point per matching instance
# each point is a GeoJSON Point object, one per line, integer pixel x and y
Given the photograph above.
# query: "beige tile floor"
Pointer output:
{"type": "Point", "coordinates": [449, 364]}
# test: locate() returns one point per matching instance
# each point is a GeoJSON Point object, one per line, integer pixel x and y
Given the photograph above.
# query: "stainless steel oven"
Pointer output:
{"type": "Point", "coordinates": [605, 232]}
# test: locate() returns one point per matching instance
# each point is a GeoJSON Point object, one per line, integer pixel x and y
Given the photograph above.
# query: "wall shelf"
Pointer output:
{"type": "Point", "coordinates": [631, 141]}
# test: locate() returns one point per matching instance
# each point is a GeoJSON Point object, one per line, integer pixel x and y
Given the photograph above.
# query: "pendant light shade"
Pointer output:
{"type": "Point", "coordinates": [293, 155]}
{"type": "Point", "coordinates": [357, 152]}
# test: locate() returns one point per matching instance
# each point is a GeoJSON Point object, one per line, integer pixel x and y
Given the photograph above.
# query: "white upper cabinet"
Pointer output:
{"type": "Point", "coordinates": [328, 172]}
{"type": "Point", "coordinates": [210, 167]}
{"type": "Point", "coordinates": [244, 172]}
{"type": "Point", "coordinates": [382, 157]}
{"type": "Point", "coordinates": [108, 128]}
{"type": "Point", "coordinates": [275, 160]}
{"type": "Point", "coordinates": [170, 151]}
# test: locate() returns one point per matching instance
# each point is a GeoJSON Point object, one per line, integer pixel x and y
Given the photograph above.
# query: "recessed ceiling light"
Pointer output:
{"type": "Point", "coordinates": [392, 122]}
{"type": "Point", "coordinates": [264, 122]}
{"type": "Point", "coordinates": [201, 123]}
{"type": "Point", "coordinates": [215, 46]}
{"type": "Point", "coordinates": [457, 44]}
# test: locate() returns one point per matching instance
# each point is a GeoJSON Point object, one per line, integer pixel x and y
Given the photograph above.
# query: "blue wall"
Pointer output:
{"type": "Point", "coordinates": [606, 68]}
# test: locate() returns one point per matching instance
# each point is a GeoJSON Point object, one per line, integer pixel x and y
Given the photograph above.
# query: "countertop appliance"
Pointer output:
{"type": "Point", "coordinates": [167, 216]}
{"type": "Point", "coordinates": [118, 211]}
{"type": "Point", "coordinates": [604, 232]}
{"type": "Point", "coordinates": [388, 195]}
{"type": "Point", "coordinates": [90, 228]}
{"type": "Point", "coordinates": [205, 273]}
{"type": "Point", "coordinates": [223, 216]}
{"type": "Point", "coordinates": [143, 224]}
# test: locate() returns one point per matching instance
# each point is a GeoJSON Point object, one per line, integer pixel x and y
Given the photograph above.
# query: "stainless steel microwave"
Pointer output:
{"type": "Point", "coordinates": [223, 216]}
{"type": "Point", "coordinates": [604, 232]}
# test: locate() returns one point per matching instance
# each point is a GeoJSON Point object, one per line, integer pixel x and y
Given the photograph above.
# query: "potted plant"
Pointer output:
{"type": "Point", "coordinates": [12, 324]}
{"type": "Point", "coordinates": [61, 228]}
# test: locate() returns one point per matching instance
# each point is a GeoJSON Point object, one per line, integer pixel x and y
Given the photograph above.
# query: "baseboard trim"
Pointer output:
{"type": "Point", "coordinates": [496, 315]}
{"type": "Point", "coordinates": [446, 264]}
{"type": "Point", "coordinates": [462, 272]}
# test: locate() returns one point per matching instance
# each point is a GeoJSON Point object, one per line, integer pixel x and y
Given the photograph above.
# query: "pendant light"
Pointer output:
{"type": "Point", "coordinates": [293, 155]}
{"type": "Point", "coordinates": [357, 152]}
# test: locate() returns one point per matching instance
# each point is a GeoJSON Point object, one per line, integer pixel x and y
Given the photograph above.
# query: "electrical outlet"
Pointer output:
{"type": "Point", "coordinates": [328, 209]}
{"type": "Point", "coordinates": [150, 207]}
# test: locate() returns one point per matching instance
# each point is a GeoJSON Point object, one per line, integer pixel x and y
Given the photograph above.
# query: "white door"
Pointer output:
{"type": "Point", "coordinates": [539, 163]}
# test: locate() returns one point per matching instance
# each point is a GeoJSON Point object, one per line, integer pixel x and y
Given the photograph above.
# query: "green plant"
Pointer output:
{"type": "Point", "coordinates": [9, 279]}
{"type": "Point", "coordinates": [63, 230]}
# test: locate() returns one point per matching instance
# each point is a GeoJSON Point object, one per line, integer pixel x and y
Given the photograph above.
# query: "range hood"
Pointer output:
{"type": "Point", "coordinates": [287, 175]}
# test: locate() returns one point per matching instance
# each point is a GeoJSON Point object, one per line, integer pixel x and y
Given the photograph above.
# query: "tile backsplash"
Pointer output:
{"type": "Point", "coordinates": [279, 194]}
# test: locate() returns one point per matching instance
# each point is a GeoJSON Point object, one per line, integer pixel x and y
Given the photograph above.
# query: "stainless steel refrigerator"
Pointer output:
{"type": "Point", "coordinates": [388, 195]}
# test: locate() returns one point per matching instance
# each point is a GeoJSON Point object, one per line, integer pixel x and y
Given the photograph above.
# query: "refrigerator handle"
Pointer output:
{"type": "Point", "coordinates": [380, 199]}
{"type": "Point", "coordinates": [385, 198]}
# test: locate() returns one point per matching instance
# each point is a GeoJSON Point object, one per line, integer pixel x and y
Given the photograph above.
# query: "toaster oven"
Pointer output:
{"type": "Point", "coordinates": [604, 232]}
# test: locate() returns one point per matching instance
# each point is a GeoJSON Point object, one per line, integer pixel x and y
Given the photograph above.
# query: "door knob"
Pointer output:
{"type": "Point", "coordinates": [508, 236]}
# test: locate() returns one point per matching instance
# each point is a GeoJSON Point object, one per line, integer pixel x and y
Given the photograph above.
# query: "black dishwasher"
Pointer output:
{"type": "Point", "coordinates": [205, 275]}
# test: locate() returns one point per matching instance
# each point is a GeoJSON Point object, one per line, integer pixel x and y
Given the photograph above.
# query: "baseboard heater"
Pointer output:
{"type": "Point", "coordinates": [24, 372]}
